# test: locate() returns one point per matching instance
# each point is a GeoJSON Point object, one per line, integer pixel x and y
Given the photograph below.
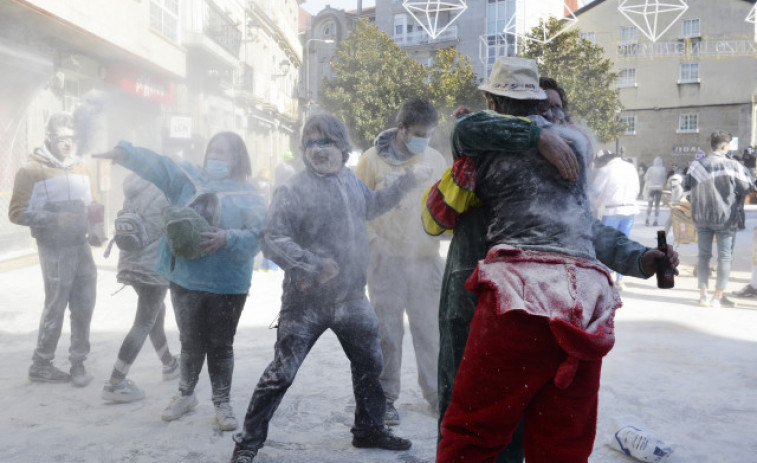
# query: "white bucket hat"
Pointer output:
{"type": "Point", "coordinates": [516, 78]}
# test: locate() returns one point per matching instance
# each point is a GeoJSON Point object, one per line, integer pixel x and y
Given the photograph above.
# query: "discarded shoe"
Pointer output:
{"type": "Point", "coordinates": [79, 375]}
{"type": "Point", "coordinates": [180, 405]}
{"type": "Point", "coordinates": [124, 391]}
{"type": "Point", "coordinates": [172, 370]}
{"type": "Point", "coordinates": [225, 417]}
{"type": "Point", "coordinates": [47, 373]}
{"type": "Point", "coordinates": [746, 291]}
{"type": "Point", "coordinates": [391, 415]}
{"type": "Point", "coordinates": [381, 438]}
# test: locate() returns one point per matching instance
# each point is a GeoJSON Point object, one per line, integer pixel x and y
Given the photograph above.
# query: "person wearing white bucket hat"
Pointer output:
{"type": "Point", "coordinates": [541, 241]}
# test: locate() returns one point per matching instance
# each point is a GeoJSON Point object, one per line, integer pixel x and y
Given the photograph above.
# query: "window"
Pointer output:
{"type": "Point", "coordinates": [688, 123]}
{"type": "Point", "coordinates": [690, 28]}
{"type": "Point", "coordinates": [400, 25]}
{"type": "Point", "coordinates": [498, 14]}
{"type": "Point", "coordinates": [627, 78]}
{"type": "Point", "coordinates": [590, 36]}
{"type": "Point", "coordinates": [629, 124]}
{"type": "Point", "coordinates": [328, 30]}
{"type": "Point", "coordinates": [689, 72]}
{"type": "Point", "coordinates": [164, 18]}
{"type": "Point", "coordinates": [628, 34]}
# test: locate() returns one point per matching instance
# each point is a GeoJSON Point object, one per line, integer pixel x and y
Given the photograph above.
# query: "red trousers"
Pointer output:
{"type": "Point", "coordinates": [506, 374]}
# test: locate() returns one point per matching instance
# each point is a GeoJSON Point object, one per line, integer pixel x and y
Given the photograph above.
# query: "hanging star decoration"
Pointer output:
{"type": "Point", "coordinates": [750, 18]}
{"type": "Point", "coordinates": [653, 17]}
{"type": "Point", "coordinates": [430, 14]}
{"type": "Point", "coordinates": [568, 21]}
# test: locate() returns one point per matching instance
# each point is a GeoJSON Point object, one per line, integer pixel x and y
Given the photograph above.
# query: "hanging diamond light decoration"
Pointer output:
{"type": "Point", "coordinates": [653, 17]}
{"type": "Point", "coordinates": [750, 18]}
{"type": "Point", "coordinates": [525, 18]}
{"type": "Point", "coordinates": [431, 14]}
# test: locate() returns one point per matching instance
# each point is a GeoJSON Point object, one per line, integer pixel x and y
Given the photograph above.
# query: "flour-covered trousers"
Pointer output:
{"type": "Point", "coordinates": [539, 332]}
{"type": "Point", "coordinates": [70, 279]}
{"type": "Point", "coordinates": [149, 320]}
{"type": "Point", "coordinates": [207, 326]}
{"type": "Point", "coordinates": [300, 326]}
{"type": "Point", "coordinates": [397, 286]}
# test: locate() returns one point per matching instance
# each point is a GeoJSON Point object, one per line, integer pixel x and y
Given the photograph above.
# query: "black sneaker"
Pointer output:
{"type": "Point", "coordinates": [47, 373]}
{"type": "Point", "coordinates": [381, 438]}
{"type": "Point", "coordinates": [746, 291]}
{"type": "Point", "coordinates": [725, 302]}
{"type": "Point", "coordinates": [242, 455]}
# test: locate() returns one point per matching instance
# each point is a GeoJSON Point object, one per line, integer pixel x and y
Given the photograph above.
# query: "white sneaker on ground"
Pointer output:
{"type": "Point", "coordinates": [124, 391]}
{"type": "Point", "coordinates": [715, 303]}
{"type": "Point", "coordinates": [703, 302]}
{"type": "Point", "coordinates": [225, 417]}
{"type": "Point", "coordinates": [180, 405]}
{"type": "Point", "coordinates": [619, 285]}
{"type": "Point", "coordinates": [172, 370]}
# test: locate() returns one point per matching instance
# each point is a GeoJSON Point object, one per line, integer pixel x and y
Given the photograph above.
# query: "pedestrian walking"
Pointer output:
{"type": "Point", "coordinates": [144, 203]}
{"type": "Point", "coordinates": [210, 278]}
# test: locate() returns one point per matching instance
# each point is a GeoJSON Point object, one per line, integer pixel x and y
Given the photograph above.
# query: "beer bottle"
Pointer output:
{"type": "Point", "coordinates": [665, 274]}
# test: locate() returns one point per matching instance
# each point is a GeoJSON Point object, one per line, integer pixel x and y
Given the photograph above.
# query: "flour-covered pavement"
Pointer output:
{"type": "Point", "coordinates": [688, 373]}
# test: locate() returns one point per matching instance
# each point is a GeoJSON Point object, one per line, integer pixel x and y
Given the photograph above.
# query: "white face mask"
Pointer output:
{"type": "Point", "coordinates": [417, 145]}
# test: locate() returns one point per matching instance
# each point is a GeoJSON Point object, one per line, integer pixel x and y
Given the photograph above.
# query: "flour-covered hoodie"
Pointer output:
{"type": "Point", "coordinates": [43, 187]}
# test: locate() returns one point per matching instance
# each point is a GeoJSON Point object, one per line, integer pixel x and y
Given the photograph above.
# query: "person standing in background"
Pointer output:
{"type": "Point", "coordinates": [405, 271]}
{"type": "Point", "coordinates": [614, 188]}
{"type": "Point", "coordinates": [51, 195]}
{"type": "Point", "coordinates": [718, 187]}
{"type": "Point", "coordinates": [654, 182]}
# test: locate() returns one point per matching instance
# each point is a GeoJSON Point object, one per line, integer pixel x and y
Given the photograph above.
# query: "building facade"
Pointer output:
{"type": "Point", "coordinates": [166, 74]}
{"type": "Point", "coordinates": [698, 77]}
{"type": "Point", "coordinates": [479, 32]}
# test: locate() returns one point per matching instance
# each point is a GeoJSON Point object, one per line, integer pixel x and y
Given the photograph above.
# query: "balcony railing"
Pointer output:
{"type": "Point", "coordinates": [420, 37]}
{"type": "Point", "coordinates": [222, 30]}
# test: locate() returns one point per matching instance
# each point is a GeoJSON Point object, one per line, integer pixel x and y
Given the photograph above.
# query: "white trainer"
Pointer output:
{"type": "Point", "coordinates": [180, 405]}
{"type": "Point", "coordinates": [124, 391]}
{"type": "Point", "coordinates": [225, 417]}
{"type": "Point", "coordinates": [172, 370]}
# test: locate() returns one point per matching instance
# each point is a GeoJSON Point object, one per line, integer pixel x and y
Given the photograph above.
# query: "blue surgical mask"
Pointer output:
{"type": "Point", "coordinates": [417, 145]}
{"type": "Point", "coordinates": [217, 170]}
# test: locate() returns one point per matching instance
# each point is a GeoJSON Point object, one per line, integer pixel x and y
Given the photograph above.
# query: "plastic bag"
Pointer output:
{"type": "Point", "coordinates": [630, 439]}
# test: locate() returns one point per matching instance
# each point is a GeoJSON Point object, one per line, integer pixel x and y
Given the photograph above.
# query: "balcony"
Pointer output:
{"type": "Point", "coordinates": [420, 37]}
{"type": "Point", "coordinates": [211, 31]}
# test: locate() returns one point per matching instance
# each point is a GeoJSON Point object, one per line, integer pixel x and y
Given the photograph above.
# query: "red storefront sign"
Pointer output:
{"type": "Point", "coordinates": [140, 83]}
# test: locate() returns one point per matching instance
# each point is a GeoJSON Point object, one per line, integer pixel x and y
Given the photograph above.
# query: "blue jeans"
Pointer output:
{"type": "Point", "coordinates": [725, 255]}
{"type": "Point", "coordinates": [622, 223]}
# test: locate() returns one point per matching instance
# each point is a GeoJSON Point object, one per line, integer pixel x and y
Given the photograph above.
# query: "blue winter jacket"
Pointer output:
{"type": "Point", "coordinates": [228, 270]}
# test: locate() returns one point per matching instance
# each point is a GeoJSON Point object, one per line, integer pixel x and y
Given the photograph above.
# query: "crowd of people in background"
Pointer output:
{"type": "Point", "coordinates": [532, 207]}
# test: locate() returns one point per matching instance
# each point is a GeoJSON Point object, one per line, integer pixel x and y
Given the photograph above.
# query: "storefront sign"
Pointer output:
{"type": "Point", "coordinates": [683, 150]}
{"type": "Point", "coordinates": [140, 83]}
{"type": "Point", "coordinates": [180, 127]}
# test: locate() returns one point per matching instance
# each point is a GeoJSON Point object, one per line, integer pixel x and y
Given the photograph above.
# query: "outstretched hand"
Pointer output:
{"type": "Point", "coordinates": [115, 155]}
{"type": "Point", "coordinates": [558, 153]}
{"type": "Point", "coordinates": [649, 259]}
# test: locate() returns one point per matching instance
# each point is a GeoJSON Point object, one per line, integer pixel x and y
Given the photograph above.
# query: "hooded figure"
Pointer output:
{"type": "Point", "coordinates": [405, 273]}
{"type": "Point", "coordinates": [315, 231]}
{"type": "Point", "coordinates": [51, 194]}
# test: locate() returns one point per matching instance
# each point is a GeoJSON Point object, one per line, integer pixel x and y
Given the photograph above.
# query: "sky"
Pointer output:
{"type": "Point", "coordinates": [314, 6]}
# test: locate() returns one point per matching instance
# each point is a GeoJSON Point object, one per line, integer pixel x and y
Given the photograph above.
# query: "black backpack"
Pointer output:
{"type": "Point", "coordinates": [131, 234]}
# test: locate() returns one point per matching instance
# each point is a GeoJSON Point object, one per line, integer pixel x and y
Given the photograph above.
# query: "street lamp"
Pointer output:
{"type": "Point", "coordinates": [307, 67]}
